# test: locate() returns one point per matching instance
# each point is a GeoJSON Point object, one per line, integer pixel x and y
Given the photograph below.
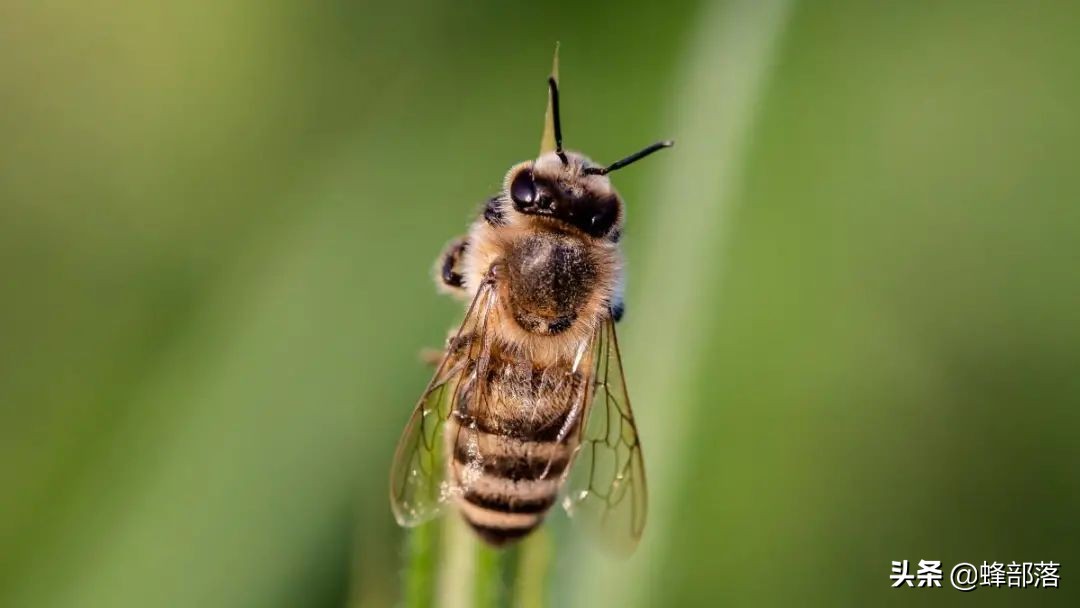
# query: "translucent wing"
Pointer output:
{"type": "Point", "coordinates": [419, 484]}
{"type": "Point", "coordinates": [606, 488]}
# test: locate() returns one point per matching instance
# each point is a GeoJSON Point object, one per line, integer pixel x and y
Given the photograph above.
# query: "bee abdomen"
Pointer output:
{"type": "Point", "coordinates": [511, 486]}
{"type": "Point", "coordinates": [501, 510]}
{"type": "Point", "coordinates": [499, 535]}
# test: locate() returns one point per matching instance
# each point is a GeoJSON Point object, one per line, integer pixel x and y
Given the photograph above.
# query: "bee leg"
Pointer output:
{"type": "Point", "coordinates": [431, 356]}
{"type": "Point", "coordinates": [447, 276]}
{"type": "Point", "coordinates": [434, 356]}
{"type": "Point", "coordinates": [493, 212]}
{"type": "Point", "coordinates": [455, 344]}
{"type": "Point", "coordinates": [618, 307]}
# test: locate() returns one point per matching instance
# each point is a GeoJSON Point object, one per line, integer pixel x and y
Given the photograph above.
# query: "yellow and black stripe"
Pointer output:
{"type": "Point", "coordinates": [509, 480]}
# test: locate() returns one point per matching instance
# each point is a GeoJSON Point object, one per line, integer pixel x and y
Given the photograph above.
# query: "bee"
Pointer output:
{"type": "Point", "coordinates": [528, 402]}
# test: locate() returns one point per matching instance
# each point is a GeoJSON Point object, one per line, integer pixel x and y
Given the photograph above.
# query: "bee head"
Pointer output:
{"type": "Point", "coordinates": [568, 187]}
{"type": "Point", "coordinates": [548, 188]}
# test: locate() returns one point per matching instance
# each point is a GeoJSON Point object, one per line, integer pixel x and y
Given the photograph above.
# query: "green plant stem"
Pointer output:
{"type": "Point", "coordinates": [534, 559]}
{"type": "Point", "coordinates": [494, 580]}
{"type": "Point", "coordinates": [457, 564]}
{"type": "Point", "coordinates": [421, 551]}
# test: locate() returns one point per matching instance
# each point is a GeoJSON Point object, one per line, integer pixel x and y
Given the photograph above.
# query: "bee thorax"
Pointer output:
{"type": "Point", "coordinates": [550, 278]}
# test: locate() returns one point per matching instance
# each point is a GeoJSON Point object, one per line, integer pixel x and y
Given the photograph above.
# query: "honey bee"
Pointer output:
{"type": "Point", "coordinates": [528, 402]}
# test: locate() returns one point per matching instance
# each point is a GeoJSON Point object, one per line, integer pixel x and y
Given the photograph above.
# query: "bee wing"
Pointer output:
{"type": "Point", "coordinates": [606, 487]}
{"type": "Point", "coordinates": [419, 484]}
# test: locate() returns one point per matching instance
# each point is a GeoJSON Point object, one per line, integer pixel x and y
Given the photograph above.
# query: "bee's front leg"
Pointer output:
{"type": "Point", "coordinates": [448, 277]}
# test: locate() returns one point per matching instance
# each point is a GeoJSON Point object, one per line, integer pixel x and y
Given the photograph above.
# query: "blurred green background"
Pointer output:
{"type": "Point", "coordinates": [853, 327]}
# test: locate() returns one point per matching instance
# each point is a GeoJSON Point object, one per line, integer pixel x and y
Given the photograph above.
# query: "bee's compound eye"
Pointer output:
{"type": "Point", "coordinates": [522, 189]}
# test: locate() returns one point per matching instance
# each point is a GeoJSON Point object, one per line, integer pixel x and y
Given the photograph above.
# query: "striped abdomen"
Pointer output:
{"type": "Point", "coordinates": [506, 453]}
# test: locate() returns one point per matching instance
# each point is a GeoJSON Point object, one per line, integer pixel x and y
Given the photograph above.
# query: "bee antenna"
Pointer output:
{"type": "Point", "coordinates": [554, 88]}
{"type": "Point", "coordinates": [636, 156]}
